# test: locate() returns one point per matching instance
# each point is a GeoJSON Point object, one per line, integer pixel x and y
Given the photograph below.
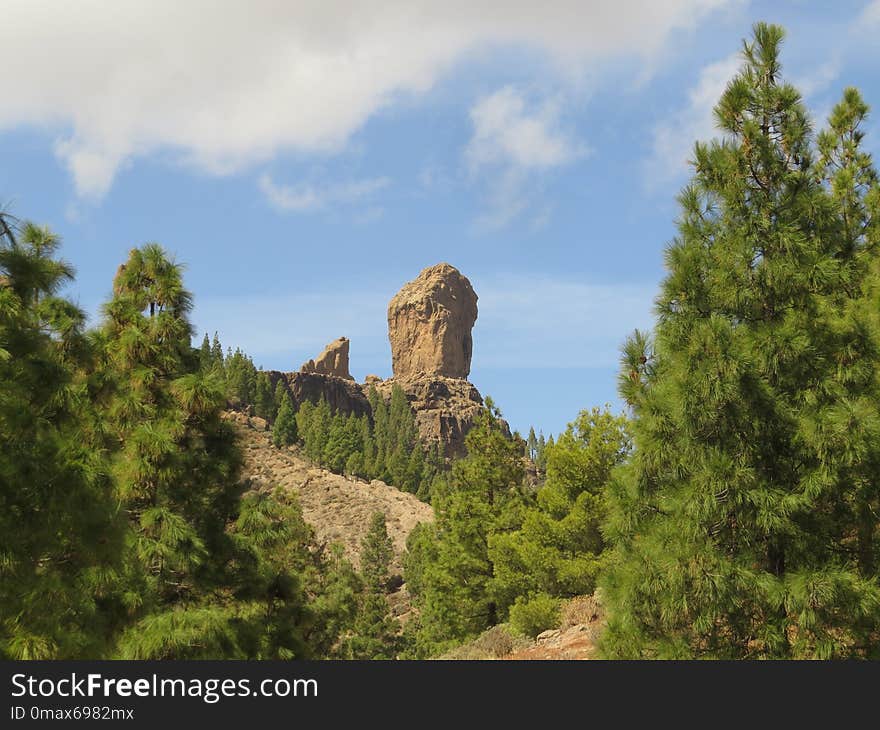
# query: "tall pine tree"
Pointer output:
{"type": "Point", "coordinates": [194, 586]}
{"type": "Point", "coordinates": [60, 535]}
{"type": "Point", "coordinates": [744, 525]}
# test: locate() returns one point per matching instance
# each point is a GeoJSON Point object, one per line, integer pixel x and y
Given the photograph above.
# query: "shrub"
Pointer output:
{"type": "Point", "coordinates": [531, 616]}
{"type": "Point", "coordinates": [581, 610]}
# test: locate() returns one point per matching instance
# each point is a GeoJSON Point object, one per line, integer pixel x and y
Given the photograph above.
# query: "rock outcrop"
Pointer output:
{"type": "Point", "coordinates": [429, 325]}
{"type": "Point", "coordinates": [342, 394]}
{"type": "Point", "coordinates": [445, 408]}
{"type": "Point", "coordinates": [333, 360]}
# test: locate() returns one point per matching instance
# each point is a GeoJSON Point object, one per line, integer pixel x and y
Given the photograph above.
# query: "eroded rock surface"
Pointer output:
{"type": "Point", "coordinates": [445, 408]}
{"type": "Point", "coordinates": [429, 325]}
{"type": "Point", "coordinates": [333, 360]}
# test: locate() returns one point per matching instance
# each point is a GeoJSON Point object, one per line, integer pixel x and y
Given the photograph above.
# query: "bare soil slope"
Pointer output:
{"type": "Point", "coordinates": [338, 508]}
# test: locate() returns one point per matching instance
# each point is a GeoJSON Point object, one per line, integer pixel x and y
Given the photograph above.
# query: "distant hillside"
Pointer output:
{"type": "Point", "coordinates": [338, 508]}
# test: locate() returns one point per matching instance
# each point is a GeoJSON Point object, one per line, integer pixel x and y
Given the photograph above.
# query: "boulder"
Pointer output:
{"type": "Point", "coordinates": [429, 325]}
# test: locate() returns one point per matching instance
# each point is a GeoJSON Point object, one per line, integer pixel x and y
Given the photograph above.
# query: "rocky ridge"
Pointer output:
{"type": "Point", "coordinates": [333, 360]}
{"type": "Point", "coordinates": [429, 329]}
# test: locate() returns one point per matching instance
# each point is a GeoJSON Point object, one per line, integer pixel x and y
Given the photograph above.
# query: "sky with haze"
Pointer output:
{"type": "Point", "coordinates": [304, 159]}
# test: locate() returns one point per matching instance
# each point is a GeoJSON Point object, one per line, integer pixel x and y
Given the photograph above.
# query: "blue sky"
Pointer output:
{"type": "Point", "coordinates": [306, 159]}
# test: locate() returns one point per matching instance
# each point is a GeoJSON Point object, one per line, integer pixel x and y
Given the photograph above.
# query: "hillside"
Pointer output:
{"type": "Point", "coordinates": [337, 507]}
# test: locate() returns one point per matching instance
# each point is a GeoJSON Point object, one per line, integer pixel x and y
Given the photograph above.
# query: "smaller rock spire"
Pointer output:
{"type": "Point", "coordinates": [333, 360]}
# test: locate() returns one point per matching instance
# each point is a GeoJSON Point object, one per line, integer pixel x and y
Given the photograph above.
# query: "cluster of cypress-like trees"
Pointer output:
{"type": "Point", "coordinates": [385, 447]}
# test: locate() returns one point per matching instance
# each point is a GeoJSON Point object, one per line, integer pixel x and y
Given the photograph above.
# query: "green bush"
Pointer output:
{"type": "Point", "coordinates": [531, 616]}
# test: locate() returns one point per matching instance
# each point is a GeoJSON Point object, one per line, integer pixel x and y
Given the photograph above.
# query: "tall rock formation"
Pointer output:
{"type": "Point", "coordinates": [333, 360]}
{"type": "Point", "coordinates": [429, 325]}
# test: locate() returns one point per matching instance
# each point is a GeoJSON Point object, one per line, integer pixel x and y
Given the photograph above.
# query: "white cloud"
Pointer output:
{"type": "Point", "coordinates": [512, 141]}
{"type": "Point", "coordinates": [871, 14]}
{"type": "Point", "coordinates": [306, 197]}
{"type": "Point", "coordinates": [674, 137]}
{"type": "Point", "coordinates": [228, 85]}
{"type": "Point", "coordinates": [819, 79]}
{"type": "Point", "coordinates": [507, 133]}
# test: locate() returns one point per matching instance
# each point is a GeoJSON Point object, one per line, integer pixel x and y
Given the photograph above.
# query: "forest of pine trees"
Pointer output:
{"type": "Point", "coordinates": [127, 531]}
{"type": "Point", "coordinates": [382, 446]}
{"type": "Point", "coordinates": [731, 512]}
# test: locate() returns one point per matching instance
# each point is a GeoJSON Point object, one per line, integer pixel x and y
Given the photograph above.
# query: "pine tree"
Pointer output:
{"type": "Point", "coordinates": [532, 444]}
{"type": "Point", "coordinates": [456, 599]}
{"type": "Point", "coordinates": [241, 376]}
{"type": "Point", "coordinates": [264, 400]}
{"type": "Point", "coordinates": [277, 398]}
{"type": "Point", "coordinates": [375, 630]}
{"type": "Point", "coordinates": [339, 444]}
{"type": "Point", "coordinates": [60, 535]}
{"type": "Point", "coordinates": [317, 432]}
{"type": "Point", "coordinates": [558, 550]}
{"type": "Point", "coordinates": [540, 460]}
{"type": "Point", "coordinates": [334, 589]}
{"type": "Point", "coordinates": [205, 357]}
{"type": "Point", "coordinates": [216, 351]}
{"type": "Point", "coordinates": [739, 526]}
{"type": "Point", "coordinates": [284, 428]}
{"type": "Point", "coordinates": [193, 587]}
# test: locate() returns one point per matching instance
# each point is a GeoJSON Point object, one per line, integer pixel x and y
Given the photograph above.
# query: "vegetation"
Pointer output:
{"type": "Point", "coordinates": [497, 550]}
{"type": "Point", "coordinates": [127, 531]}
{"type": "Point", "coordinates": [745, 524]}
{"type": "Point", "coordinates": [376, 634]}
{"type": "Point", "coordinates": [449, 570]}
{"type": "Point", "coordinates": [558, 548]}
{"type": "Point", "coordinates": [732, 513]}
{"type": "Point", "coordinates": [385, 448]}
{"type": "Point", "coordinates": [284, 429]}
{"type": "Point", "coordinates": [384, 445]}
{"type": "Point", "coordinates": [60, 529]}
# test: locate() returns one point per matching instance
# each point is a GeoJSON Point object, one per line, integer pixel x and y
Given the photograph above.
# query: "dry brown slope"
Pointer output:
{"type": "Point", "coordinates": [338, 508]}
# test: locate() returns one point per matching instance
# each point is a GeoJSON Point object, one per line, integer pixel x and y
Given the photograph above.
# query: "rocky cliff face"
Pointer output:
{"type": "Point", "coordinates": [429, 325]}
{"type": "Point", "coordinates": [445, 408]}
{"type": "Point", "coordinates": [333, 360]}
{"type": "Point", "coordinates": [341, 393]}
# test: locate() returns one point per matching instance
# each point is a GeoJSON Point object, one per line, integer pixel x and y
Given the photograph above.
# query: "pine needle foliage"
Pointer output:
{"type": "Point", "coordinates": [60, 532]}
{"type": "Point", "coordinates": [745, 524]}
